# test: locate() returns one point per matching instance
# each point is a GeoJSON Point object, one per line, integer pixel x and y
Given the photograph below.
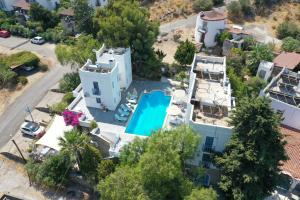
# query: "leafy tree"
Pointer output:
{"type": "Point", "coordinates": [259, 52]}
{"type": "Point", "coordinates": [234, 10]}
{"type": "Point", "coordinates": [124, 184]}
{"type": "Point", "coordinates": [65, 3]}
{"type": "Point", "coordinates": [254, 85]}
{"type": "Point", "coordinates": [218, 2]}
{"type": "Point", "coordinates": [250, 161]}
{"type": "Point", "coordinates": [73, 144]}
{"type": "Point", "coordinates": [236, 60]}
{"type": "Point", "coordinates": [83, 16]}
{"type": "Point", "coordinates": [185, 53]}
{"type": "Point", "coordinates": [236, 82]}
{"type": "Point", "coordinates": [69, 82]}
{"type": "Point", "coordinates": [132, 152]}
{"type": "Point", "coordinates": [157, 171]}
{"type": "Point", "coordinates": [124, 23]}
{"type": "Point", "coordinates": [202, 194]}
{"type": "Point", "coordinates": [6, 75]}
{"type": "Point", "coordinates": [181, 76]}
{"type": "Point", "coordinates": [105, 168]}
{"type": "Point", "coordinates": [47, 18]}
{"type": "Point", "coordinates": [202, 5]}
{"type": "Point", "coordinates": [78, 53]}
{"type": "Point", "coordinates": [246, 7]}
{"type": "Point", "coordinates": [223, 36]}
{"type": "Point", "coordinates": [288, 29]}
{"type": "Point", "coordinates": [52, 173]}
{"type": "Point", "coordinates": [290, 44]}
{"type": "Point", "coordinates": [249, 43]}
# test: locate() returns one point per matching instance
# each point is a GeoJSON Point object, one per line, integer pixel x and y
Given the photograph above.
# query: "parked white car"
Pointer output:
{"type": "Point", "coordinates": [32, 129]}
{"type": "Point", "coordinates": [37, 40]}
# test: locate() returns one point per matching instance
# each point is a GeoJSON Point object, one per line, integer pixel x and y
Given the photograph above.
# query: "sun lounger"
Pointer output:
{"type": "Point", "coordinates": [176, 121]}
{"type": "Point", "coordinates": [132, 101]}
{"type": "Point", "coordinates": [120, 119]}
{"type": "Point", "coordinates": [122, 113]}
{"type": "Point", "coordinates": [126, 108]}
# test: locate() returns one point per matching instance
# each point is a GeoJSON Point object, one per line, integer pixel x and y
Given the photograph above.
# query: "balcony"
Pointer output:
{"type": "Point", "coordinates": [96, 92]}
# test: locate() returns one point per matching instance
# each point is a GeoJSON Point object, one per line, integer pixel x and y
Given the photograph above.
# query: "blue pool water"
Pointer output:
{"type": "Point", "coordinates": [150, 114]}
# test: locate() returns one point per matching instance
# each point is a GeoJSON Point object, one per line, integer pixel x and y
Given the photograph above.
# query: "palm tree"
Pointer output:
{"type": "Point", "coordinates": [73, 144]}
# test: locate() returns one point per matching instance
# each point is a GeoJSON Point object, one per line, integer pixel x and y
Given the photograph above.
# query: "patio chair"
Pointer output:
{"type": "Point", "coordinates": [120, 119]}
{"type": "Point", "coordinates": [122, 113]}
{"type": "Point", "coordinates": [132, 101]}
{"type": "Point", "coordinates": [126, 108]}
{"type": "Point", "coordinates": [176, 121]}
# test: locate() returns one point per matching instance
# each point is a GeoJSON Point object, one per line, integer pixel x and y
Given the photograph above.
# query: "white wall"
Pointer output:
{"type": "Point", "coordinates": [108, 85]}
{"type": "Point", "coordinates": [213, 28]}
{"type": "Point", "coordinates": [125, 69]}
{"type": "Point", "coordinates": [291, 113]}
{"type": "Point", "coordinates": [6, 5]}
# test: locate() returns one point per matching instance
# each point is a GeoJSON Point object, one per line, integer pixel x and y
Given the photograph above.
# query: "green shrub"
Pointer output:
{"type": "Point", "coordinates": [58, 108]}
{"type": "Point", "coordinates": [6, 75]}
{"type": "Point", "coordinates": [202, 5]}
{"type": "Point", "coordinates": [68, 97]}
{"type": "Point", "coordinates": [223, 36]}
{"type": "Point", "coordinates": [290, 44]}
{"type": "Point", "coordinates": [22, 58]}
{"type": "Point", "coordinates": [23, 80]}
{"type": "Point", "coordinates": [218, 2]}
{"type": "Point", "coordinates": [234, 10]}
{"type": "Point", "coordinates": [288, 29]}
{"type": "Point", "coordinates": [93, 124]}
{"type": "Point", "coordinates": [69, 82]}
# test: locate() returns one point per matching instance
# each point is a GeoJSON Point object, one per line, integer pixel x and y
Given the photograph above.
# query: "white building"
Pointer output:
{"type": "Point", "coordinates": [284, 92]}
{"type": "Point", "coordinates": [209, 105]}
{"type": "Point", "coordinates": [102, 82]}
{"type": "Point", "coordinates": [208, 25]}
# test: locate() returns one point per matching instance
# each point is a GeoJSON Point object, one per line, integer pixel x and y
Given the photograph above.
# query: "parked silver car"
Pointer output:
{"type": "Point", "coordinates": [32, 129]}
{"type": "Point", "coordinates": [37, 40]}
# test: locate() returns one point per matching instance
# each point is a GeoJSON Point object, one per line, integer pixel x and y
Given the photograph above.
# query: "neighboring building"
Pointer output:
{"type": "Point", "coordinates": [102, 82]}
{"type": "Point", "coordinates": [208, 25]}
{"type": "Point", "coordinates": [238, 35]}
{"type": "Point", "coordinates": [265, 70]}
{"type": "Point", "coordinates": [289, 60]}
{"type": "Point", "coordinates": [284, 92]}
{"type": "Point", "coordinates": [209, 105]}
{"type": "Point", "coordinates": [291, 167]}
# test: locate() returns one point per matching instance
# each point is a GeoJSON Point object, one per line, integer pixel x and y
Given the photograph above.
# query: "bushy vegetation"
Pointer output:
{"type": "Point", "coordinates": [202, 5]}
{"type": "Point", "coordinates": [288, 29]}
{"type": "Point", "coordinates": [253, 119]}
{"type": "Point", "coordinates": [290, 44]}
{"type": "Point", "coordinates": [185, 53]}
{"type": "Point", "coordinates": [69, 82]}
{"type": "Point", "coordinates": [155, 168]}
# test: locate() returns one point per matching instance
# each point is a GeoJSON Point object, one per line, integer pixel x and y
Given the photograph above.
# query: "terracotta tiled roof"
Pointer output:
{"type": "Point", "coordinates": [212, 15]}
{"type": "Point", "coordinates": [288, 60]}
{"type": "Point", "coordinates": [22, 4]}
{"type": "Point", "coordinates": [292, 165]}
{"type": "Point", "coordinates": [67, 12]}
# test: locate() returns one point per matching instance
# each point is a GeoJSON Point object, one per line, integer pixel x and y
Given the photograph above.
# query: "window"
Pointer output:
{"type": "Point", "coordinates": [113, 86]}
{"type": "Point", "coordinates": [206, 160]}
{"type": "Point", "coordinates": [262, 74]}
{"type": "Point", "coordinates": [98, 100]}
{"type": "Point", "coordinates": [96, 90]}
{"type": "Point", "coordinates": [208, 146]}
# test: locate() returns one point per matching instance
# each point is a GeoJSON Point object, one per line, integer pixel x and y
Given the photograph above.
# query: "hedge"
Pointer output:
{"type": "Point", "coordinates": [22, 58]}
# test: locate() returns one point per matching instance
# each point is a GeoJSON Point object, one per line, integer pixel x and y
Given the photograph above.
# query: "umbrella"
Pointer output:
{"type": "Point", "coordinates": [174, 110]}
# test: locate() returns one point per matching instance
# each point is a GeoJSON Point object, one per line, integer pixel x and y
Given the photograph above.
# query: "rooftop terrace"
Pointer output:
{"type": "Point", "coordinates": [285, 87]}
{"type": "Point", "coordinates": [211, 94]}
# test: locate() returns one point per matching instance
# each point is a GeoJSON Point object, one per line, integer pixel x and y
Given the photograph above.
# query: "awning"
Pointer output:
{"type": "Point", "coordinates": [56, 130]}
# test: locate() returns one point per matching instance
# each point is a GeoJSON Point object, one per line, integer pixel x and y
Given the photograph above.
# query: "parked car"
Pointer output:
{"type": "Point", "coordinates": [32, 129]}
{"type": "Point", "coordinates": [4, 33]}
{"type": "Point", "coordinates": [28, 68]}
{"type": "Point", "coordinates": [37, 40]}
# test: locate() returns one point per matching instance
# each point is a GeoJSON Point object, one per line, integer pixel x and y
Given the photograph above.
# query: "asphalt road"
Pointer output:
{"type": "Point", "coordinates": [14, 115]}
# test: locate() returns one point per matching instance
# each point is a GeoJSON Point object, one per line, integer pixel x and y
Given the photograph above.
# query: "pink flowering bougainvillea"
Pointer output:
{"type": "Point", "coordinates": [71, 118]}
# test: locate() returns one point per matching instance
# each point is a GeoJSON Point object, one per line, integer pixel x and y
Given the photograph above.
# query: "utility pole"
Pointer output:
{"type": "Point", "coordinates": [25, 161]}
{"type": "Point", "coordinates": [29, 111]}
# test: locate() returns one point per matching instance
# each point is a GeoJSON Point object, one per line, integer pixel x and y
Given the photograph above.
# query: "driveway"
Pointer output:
{"type": "Point", "coordinates": [14, 115]}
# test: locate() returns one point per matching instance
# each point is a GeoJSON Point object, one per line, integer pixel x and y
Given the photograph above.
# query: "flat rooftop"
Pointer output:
{"type": "Point", "coordinates": [285, 87]}
{"type": "Point", "coordinates": [211, 93]}
{"type": "Point", "coordinates": [104, 67]}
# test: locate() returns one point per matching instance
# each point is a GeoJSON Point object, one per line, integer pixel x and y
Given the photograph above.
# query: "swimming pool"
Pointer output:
{"type": "Point", "coordinates": [150, 114]}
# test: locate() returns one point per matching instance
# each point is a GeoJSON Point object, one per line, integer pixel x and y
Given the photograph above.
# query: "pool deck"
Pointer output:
{"type": "Point", "coordinates": [106, 120]}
